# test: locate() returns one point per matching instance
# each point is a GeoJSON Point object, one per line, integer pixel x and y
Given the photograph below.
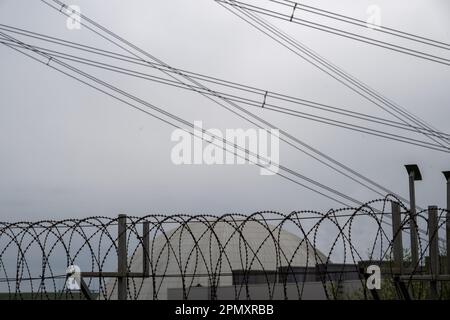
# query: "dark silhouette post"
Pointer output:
{"type": "Point", "coordinates": [433, 250]}
{"type": "Point", "coordinates": [146, 249]}
{"type": "Point", "coordinates": [122, 258]}
{"type": "Point", "coordinates": [397, 245]}
{"type": "Point", "coordinates": [447, 224]}
{"type": "Point", "coordinates": [414, 175]}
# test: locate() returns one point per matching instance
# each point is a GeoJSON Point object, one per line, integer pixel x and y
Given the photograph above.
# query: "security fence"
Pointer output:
{"type": "Point", "coordinates": [349, 253]}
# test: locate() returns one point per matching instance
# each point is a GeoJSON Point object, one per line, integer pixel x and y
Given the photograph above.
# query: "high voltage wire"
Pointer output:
{"type": "Point", "coordinates": [293, 45]}
{"type": "Point", "coordinates": [336, 31]}
{"type": "Point", "coordinates": [268, 106]}
{"type": "Point", "coordinates": [326, 67]}
{"type": "Point", "coordinates": [378, 28]}
{"type": "Point", "coordinates": [328, 158]}
{"type": "Point", "coordinates": [288, 178]}
{"type": "Point", "coordinates": [50, 60]}
{"type": "Point", "coordinates": [61, 5]}
{"type": "Point", "coordinates": [146, 104]}
{"type": "Point", "coordinates": [264, 95]}
{"type": "Point", "coordinates": [312, 152]}
{"type": "Point", "coordinates": [247, 101]}
{"type": "Point", "coordinates": [330, 69]}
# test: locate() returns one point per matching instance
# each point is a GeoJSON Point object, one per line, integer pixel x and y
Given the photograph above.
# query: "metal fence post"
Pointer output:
{"type": "Point", "coordinates": [145, 248]}
{"type": "Point", "coordinates": [397, 244]}
{"type": "Point", "coordinates": [414, 175]}
{"type": "Point", "coordinates": [122, 257]}
{"type": "Point", "coordinates": [433, 250]}
{"type": "Point", "coordinates": [447, 216]}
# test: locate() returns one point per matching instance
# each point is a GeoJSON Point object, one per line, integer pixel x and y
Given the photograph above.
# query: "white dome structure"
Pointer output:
{"type": "Point", "coordinates": [216, 254]}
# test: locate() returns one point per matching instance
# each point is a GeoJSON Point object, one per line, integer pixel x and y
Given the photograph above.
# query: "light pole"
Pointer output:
{"type": "Point", "coordinates": [447, 224]}
{"type": "Point", "coordinates": [414, 175]}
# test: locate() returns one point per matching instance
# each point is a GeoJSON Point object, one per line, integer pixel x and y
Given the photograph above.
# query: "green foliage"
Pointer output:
{"type": "Point", "coordinates": [418, 290]}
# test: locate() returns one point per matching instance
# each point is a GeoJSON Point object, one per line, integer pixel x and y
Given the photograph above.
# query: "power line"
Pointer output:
{"type": "Point", "coordinates": [92, 78]}
{"type": "Point", "coordinates": [261, 93]}
{"type": "Point", "coordinates": [84, 18]}
{"type": "Point", "coordinates": [294, 142]}
{"type": "Point", "coordinates": [322, 64]}
{"type": "Point", "coordinates": [250, 102]}
{"type": "Point", "coordinates": [103, 83]}
{"type": "Point", "coordinates": [292, 137]}
{"type": "Point", "coordinates": [338, 32]}
{"type": "Point", "coordinates": [265, 122]}
{"type": "Point", "coordinates": [53, 60]}
{"type": "Point", "coordinates": [361, 23]}
{"type": "Point", "coordinates": [328, 68]}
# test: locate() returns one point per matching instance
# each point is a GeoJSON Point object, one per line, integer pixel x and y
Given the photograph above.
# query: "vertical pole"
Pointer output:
{"type": "Point", "coordinates": [122, 258]}
{"type": "Point", "coordinates": [433, 249]}
{"type": "Point", "coordinates": [145, 248]}
{"type": "Point", "coordinates": [85, 290]}
{"type": "Point", "coordinates": [447, 216]}
{"type": "Point", "coordinates": [397, 244]}
{"type": "Point", "coordinates": [401, 288]}
{"type": "Point", "coordinates": [413, 221]}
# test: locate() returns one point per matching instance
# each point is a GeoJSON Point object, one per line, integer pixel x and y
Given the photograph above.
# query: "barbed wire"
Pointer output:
{"type": "Point", "coordinates": [275, 251]}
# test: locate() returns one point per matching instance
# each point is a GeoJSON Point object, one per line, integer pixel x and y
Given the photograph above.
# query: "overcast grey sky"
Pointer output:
{"type": "Point", "coordinates": [68, 151]}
